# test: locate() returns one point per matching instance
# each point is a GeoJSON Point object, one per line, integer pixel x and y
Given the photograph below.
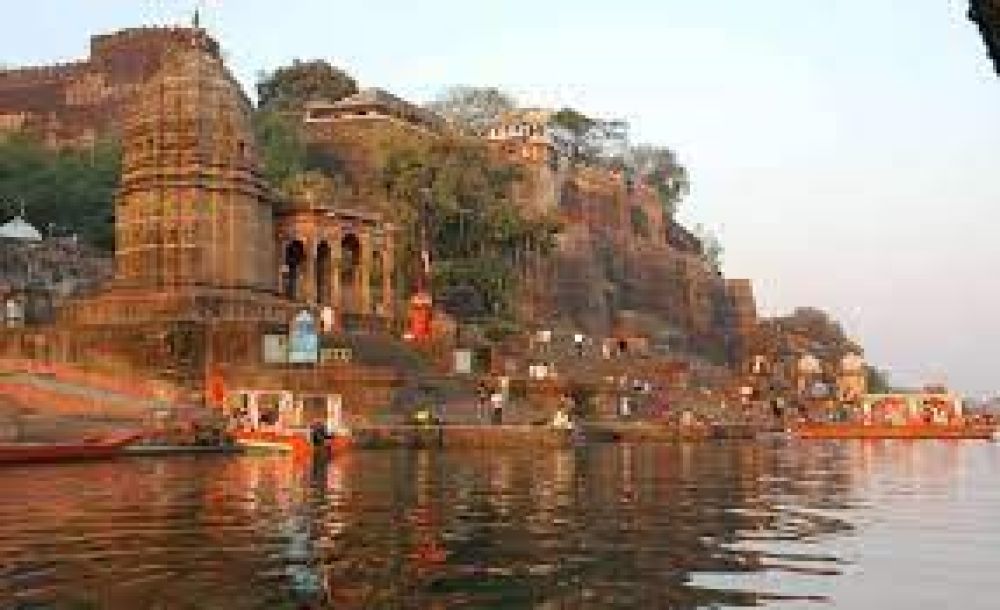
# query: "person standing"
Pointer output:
{"type": "Point", "coordinates": [496, 400]}
{"type": "Point", "coordinates": [482, 398]}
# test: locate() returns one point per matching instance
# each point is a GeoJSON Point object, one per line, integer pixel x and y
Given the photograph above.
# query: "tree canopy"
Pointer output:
{"type": "Point", "coordinates": [710, 244]}
{"type": "Point", "coordinates": [71, 190]}
{"type": "Point", "coordinates": [820, 327]}
{"type": "Point", "coordinates": [290, 87]}
{"type": "Point", "coordinates": [472, 109]}
{"type": "Point", "coordinates": [283, 153]}
{"type": "Point", "coordinates": [659, 167]}
{"type": "Point", "coordinates": [477, 236]}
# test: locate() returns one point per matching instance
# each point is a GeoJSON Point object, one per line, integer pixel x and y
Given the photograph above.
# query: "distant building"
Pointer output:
{"type": "Point", "coordinates": [20, 230]}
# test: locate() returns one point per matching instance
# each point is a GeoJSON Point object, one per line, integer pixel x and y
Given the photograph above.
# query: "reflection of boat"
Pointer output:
{"type": "Point", "coordinates": [850, 430]}
{"type": "Point", "coordinates": [87, 449]}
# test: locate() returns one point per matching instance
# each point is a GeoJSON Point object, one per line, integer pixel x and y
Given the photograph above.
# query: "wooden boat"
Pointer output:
{"type": "Point", "coordinates": [87, 449]}
{"type": "Point", "coordinates": [913, 431]}
{"type": "Point", "coordinates": [295, 443]}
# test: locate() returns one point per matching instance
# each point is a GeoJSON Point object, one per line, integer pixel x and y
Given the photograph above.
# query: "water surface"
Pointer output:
{"type": "Point", "coordinates": [774, 525]}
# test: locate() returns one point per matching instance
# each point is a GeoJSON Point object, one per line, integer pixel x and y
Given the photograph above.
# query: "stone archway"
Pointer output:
{"type": "Point", "coordinates": [294, 260]}
{"type": "Point", "coordinates": [324, 264]}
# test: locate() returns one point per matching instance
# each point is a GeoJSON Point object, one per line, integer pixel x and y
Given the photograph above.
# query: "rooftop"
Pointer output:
{"type": "Point", "coordinates": [19, 229]}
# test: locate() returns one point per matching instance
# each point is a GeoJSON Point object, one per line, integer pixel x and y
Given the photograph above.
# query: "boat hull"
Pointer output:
{"type": "Point", "coordinates": [293, 444]}
{"type": "Point", "coordinates": [32, 453]}
{"type": "Point", "coordinates": [882, 431]}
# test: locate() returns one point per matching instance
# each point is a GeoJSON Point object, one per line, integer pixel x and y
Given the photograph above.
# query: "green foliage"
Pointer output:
{"type": "Point", "coordinates": [710, 244]}
{"type": "Point", "coordinates": [472, 109]}
{"type": "Point", "coordinates": [476, 235]}
{"type": "Point", "coordinates": [283, 154]}
{"type": "Point", "coordinates": [640, 221]}
{"type": "Point", "coordinates": [573, 121]}
{"type": "Point", "coordinates": [658, 167]}
{"type": "Point", "coordinates": [818, 326]}
{"type": "Point", "coordinates": [290, 87]}
{"type": "Point", "coordinates": [69, 189]}
{"type": "Point", "coordinates": [877, 380]}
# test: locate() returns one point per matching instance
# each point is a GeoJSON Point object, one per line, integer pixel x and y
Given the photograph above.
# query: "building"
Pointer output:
{"type": "Point", "coordinates": [352, 136]}
{"type": "Point", "coordinates": [77, 103]}
{"type": "Point", "coordinates": [209, 262]}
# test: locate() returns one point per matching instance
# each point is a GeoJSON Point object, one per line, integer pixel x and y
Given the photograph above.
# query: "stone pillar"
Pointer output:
{"type": "Point", "coordinates": [336, 260]}
{"type": "Point", "coordinates": [364, 272]}
{"type": "Point", "coordinates": [388, 265]}
{"type": "Point", "coordinates": [307, 278]}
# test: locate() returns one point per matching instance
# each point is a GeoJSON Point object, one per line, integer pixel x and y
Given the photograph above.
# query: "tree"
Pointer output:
{"type": "Point", "coordinates": [290, 87]}
{"type": "Point", "coordinates": [574, 121]}
{"type": "Point", "coordinates": [710, 244]}
{"type": "Point", "coordinates": [877, 380]}
{"type": "Point", "coordinates": [473, 109]}
{"type": "Point", "coordinates": [659, 168]}
{"type": "Point", "coordinates": [818, 326]}
{"type": "Point", "coordinates": [72, 190]}
{"type": "Point", "coordinates": [282, 151]}
{"type": "Point", "coordinates": [476, 235]}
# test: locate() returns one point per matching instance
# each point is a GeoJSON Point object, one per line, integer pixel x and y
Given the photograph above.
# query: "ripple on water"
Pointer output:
{"type": "Point", "coordinates": [714, 525]}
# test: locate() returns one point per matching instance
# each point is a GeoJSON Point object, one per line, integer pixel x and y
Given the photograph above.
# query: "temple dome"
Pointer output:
{"type": "Point", "coordinates": [19, 229]}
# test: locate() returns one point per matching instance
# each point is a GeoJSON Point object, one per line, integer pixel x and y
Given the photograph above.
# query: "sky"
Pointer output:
{"type": "Point", "coordinates": [845, 151]}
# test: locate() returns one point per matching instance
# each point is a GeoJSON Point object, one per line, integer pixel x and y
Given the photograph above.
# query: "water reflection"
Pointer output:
{"type": "Point", "coordinates": [668, 526]}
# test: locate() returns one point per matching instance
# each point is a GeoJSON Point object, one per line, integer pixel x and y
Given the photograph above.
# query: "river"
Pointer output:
{"type": "Point", "coordinates": [771, 524]}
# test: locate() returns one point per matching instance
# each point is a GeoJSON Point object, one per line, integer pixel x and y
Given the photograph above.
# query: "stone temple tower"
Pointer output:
{"type": "Point", "coordinates": [196, 273]}
{"type": "Point", "coordinates": [192, 210]}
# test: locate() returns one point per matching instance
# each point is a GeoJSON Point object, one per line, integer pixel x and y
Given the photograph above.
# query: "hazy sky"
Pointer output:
{"type": "Point", "coordinates": [846, 151]}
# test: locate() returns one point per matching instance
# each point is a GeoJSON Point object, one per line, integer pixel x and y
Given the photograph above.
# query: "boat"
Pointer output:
{"type": "Point", "coordinates": [86, 449]}
{"type": "Point", "coordinates": [294, 442]}
{"type": "Point", "coordinates": [852, 430]}
{"type": "Point", "coordinates": [914, 416]}
{"type": "Point", "coordinates": [307, 426]}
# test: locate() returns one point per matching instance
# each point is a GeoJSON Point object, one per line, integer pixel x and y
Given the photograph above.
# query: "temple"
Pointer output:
{"type": "Point", "coordinates": [212, 266]}
{"type": "Point", "coordinates": [209, 261]}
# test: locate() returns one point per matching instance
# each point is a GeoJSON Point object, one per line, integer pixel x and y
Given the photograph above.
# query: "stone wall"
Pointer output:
{"type": "Point", "coordinates": [77, 103]}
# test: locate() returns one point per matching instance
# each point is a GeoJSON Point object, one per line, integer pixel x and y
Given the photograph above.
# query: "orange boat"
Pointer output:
{"type": "Point", "coordinates": [853, 430]}
{"type": "Point", "coordinates": [87, 449]}
{"type": "Point", "coordinates": [298, 444]}
{"type": "Point", "coordinates": [287, 422]}
{"type": "Point", "coordinates": [926, 415]}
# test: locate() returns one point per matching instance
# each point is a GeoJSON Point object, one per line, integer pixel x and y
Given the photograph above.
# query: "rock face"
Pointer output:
{"type": "Point", "coordinates": [77, 103]}
{"type": "Point", "coordinates": [986, 14]}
